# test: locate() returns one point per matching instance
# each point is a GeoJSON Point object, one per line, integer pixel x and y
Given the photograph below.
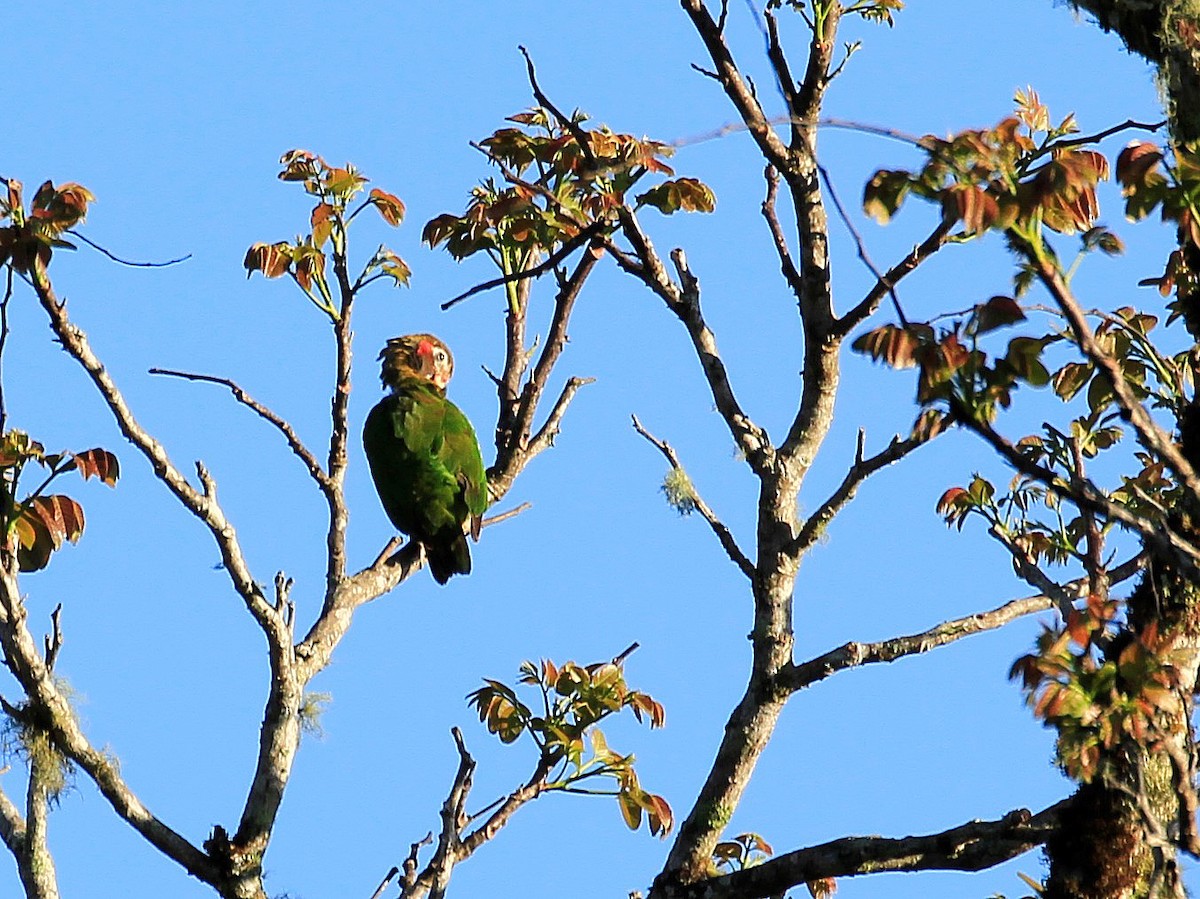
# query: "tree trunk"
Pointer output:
{"type": "Point", "coordinates": [1118, 837]}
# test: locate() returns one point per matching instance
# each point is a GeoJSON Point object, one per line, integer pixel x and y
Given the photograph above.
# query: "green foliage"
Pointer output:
{"type": "Point", "coordinates": [574, 699]}
{"type": "Point", "coordinates": [40, 523]}
{"type": "Point", "coordinates": [305, 258]}
{"type": "Point", "coordinates": [871, 10]}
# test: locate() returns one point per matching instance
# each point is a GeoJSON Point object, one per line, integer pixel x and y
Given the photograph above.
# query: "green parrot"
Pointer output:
{"type": "Point", "coordinates": [424, 456]}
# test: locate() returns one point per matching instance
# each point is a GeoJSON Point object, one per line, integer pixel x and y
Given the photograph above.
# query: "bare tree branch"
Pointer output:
{"type": "Point", "coordinates": [786, 265]}
{"type": "Point", "coordinates": [263, 412]}
{"type": "Point", "coordinates": [684, 301]}
{"type": "Point", "coordinates": [853, 655]}
{"type": "Point", "coordinates": [815, 525]}
{"type": "Point", "coordinates": [735, 86]}
{"type": "Point", "coordinates": [969, 847]}
{"type": "Point", "coordinates": [203, 506]}
{"type": "Point", "coordinates": [23, 660]}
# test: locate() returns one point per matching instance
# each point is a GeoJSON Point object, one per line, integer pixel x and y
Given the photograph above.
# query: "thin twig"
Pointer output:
{"type": "Point", "coordinates": [8, 291]}
{"type": "Point", "coordinates": [886, 284]}
{"type": "Point", "coordinates": [384, 883]}
{"type": "Point", "coordinates": [505, 516]}
{"type": "Point", "coordinates": [724, 535]}
{"type": "Point", "coordinates": [816, 524]}
{"type": "Point", "coordinates": [568, 247]}
{"type": "Point", "coordinates": [786, 264]}
{"type": "Point", "coordinates": [861, 245]}
{"type": "Point", "coordinates": [619, 658]}
{"type": "Point", "coordinates": [585, 146]}
{"type": "Point", "coordinates": [853, 655]}
{"type": "Point", "coordinates": [95, 246]}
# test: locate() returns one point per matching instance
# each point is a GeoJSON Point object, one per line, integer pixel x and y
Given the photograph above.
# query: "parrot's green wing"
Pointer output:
{"type": "Point", "coordinates": [428, 470]}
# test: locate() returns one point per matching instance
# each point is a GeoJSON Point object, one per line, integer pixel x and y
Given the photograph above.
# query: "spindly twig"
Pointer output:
{"type": "Point", "coordinates": [724, 535]}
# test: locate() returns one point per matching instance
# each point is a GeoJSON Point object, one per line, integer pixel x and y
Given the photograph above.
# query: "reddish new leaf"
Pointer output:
{"type": "Point", "coordinates": [389, 206]}
{"type": "Point", "coordinates": [1135, 162]}
{"type": "Point", "coordinates": [892, 344]}
{"type": "Point", "coordinates": [98, 463]}
{"type": "Point", "coordinates": [272, 260]}
{"type": "Point", "coordinates": [996, 313]}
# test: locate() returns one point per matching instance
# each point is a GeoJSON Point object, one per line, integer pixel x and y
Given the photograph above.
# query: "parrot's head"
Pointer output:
{"type": "Point", "coordinates": [420, 356]}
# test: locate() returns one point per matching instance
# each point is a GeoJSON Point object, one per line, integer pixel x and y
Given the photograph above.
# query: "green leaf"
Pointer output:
{"type": "Point", "coordinates": [686, 194]}
{"type": "Point", "coordinates": [884, 193]}
{"type": "Point", "coordinates": [1069, 379]}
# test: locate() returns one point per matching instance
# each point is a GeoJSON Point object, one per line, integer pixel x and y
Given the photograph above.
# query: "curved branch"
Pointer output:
{"type": "Point", "coordinates": [23, 660]}
{"type": "Point", "coordinates": [289, 433]}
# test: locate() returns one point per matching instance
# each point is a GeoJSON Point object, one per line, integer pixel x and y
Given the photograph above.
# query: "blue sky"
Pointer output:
{"type": "Point", "coordinates": [175, 116]}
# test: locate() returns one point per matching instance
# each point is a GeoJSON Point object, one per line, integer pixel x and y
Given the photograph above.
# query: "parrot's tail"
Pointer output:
{"type": "Point", "coordinates": [447, 558]}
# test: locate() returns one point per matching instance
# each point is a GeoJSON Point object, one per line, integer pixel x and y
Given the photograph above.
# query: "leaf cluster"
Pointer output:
{"type": "Point", "coordinates": [37, 525]}
{"type": "Point", "coordinates": [871, 10]}
{"type": "Point", "coordinates": [955, 371]}
{"type": "Point", "coordinates": [305, 258]}
{"type": "Point", "coordinates": [1098, 684]}
{"type": "Point", "coordinates": [562, 182]}
{"type": "Point", "coordinates": [746, 850]}
{"type": "Point", "coordinates": [1151, 179]}
{"type": "Point", "coordinates": [1016, 176]}
{"type": "Point", "coordinates": [33, 234]}
{"type": "Point", "coordinates": [574, 699]}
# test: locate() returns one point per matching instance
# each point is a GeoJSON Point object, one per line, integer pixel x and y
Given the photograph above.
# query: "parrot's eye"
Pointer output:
{"type": "Point", "coordinates": [439, 355]}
